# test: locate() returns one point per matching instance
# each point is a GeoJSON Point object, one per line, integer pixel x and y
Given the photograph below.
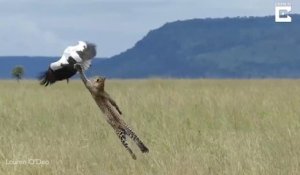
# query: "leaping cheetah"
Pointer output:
{"type": "Point", "coordinates": [111, 111]}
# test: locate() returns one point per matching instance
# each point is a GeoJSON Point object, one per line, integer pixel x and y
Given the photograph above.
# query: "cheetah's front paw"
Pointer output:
{"type": "Point", "coordinates": [78, 67]}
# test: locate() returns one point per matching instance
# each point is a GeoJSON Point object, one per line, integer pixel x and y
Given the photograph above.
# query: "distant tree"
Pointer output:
{"type": "Point", "coordinates": [18, 72]}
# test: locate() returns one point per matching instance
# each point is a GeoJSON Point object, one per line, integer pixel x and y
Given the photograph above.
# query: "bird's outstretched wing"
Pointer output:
{"type": "Point", "coordinates": [87, 54]}
{"type": "Point", "coordinates": [82, 53]}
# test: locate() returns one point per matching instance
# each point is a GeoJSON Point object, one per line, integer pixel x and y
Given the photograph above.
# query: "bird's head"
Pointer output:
{"type": "Point", "coordinates": [99, 82]}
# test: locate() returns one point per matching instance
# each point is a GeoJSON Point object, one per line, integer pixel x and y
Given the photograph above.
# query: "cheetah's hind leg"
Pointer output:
{"type": "Point", "coordinates": [136, 139]}
{"type": "Point", "coordinates": [121, 134]}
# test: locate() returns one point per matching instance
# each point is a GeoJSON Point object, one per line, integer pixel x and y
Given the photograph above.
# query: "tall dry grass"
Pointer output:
{"type": "Point", "coordinates": [196, 127]}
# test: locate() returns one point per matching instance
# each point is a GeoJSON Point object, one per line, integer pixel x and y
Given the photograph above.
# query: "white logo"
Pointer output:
{"type": "Point", "coordinates": [282, 12]}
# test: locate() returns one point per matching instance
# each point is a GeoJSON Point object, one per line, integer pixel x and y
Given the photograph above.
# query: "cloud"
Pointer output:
{"type": "Point", "coordinates": [34, 27]}
{"type": "Point", "coordinates": [23, 37]}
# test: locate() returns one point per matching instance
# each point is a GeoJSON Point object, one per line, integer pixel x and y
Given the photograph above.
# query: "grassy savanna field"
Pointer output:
{"type": "Point", "coordinates": [230, 127]}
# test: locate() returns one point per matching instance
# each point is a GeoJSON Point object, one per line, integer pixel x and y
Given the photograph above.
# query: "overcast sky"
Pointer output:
{"type": "Point", "coordinates": [45, 28]}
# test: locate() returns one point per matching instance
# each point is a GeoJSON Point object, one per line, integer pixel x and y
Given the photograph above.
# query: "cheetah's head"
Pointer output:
{"type": "Point", "coordinates": [99, 82]}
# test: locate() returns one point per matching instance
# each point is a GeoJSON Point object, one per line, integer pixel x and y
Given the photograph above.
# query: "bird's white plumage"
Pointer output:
{"type": "Point", "coordinates": [71, 51]}
{"type": "Point", "coordinates": [63, 69]}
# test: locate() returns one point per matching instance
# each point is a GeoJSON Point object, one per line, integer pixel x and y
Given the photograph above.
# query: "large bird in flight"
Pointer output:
{"type": "Point", "coordinates": [82, 53]}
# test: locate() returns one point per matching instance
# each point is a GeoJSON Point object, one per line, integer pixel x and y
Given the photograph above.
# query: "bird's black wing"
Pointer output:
{"type": "Point", "coordinates": [66, 71]}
